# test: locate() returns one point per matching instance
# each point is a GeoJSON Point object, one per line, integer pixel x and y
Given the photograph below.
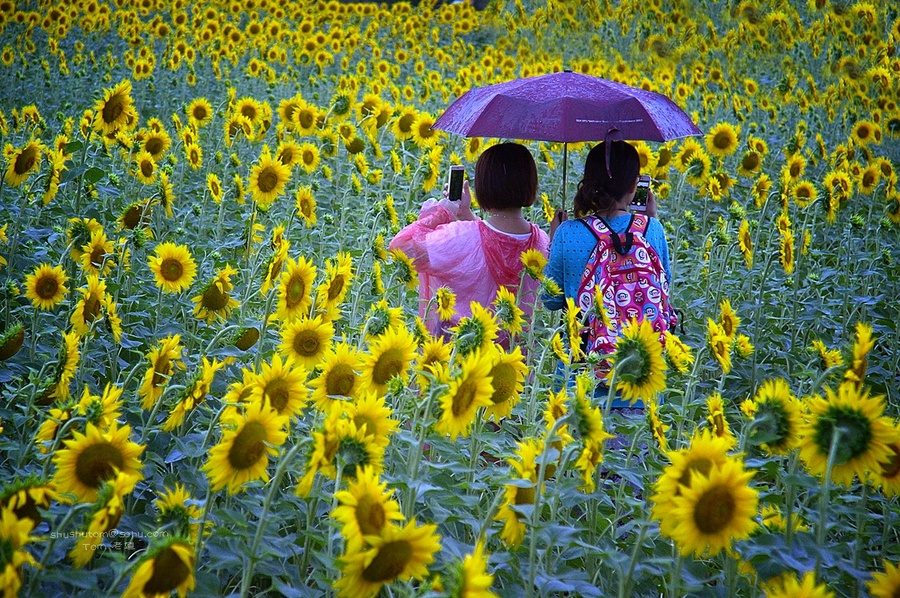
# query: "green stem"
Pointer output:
{"type": "Point", "coordinates": [535, 513]}
{"type": "Point", "coordinates": [826, 492]}
{"type": "Point", "coordinates": [261, 525]}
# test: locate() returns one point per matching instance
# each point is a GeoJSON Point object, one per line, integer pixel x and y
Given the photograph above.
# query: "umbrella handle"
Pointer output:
{"type": "Point", "coordinates": [565, 172]}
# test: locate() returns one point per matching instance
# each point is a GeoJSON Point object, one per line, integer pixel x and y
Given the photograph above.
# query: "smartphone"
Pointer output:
{"type": "Point", "coordinates": [455, 182]}
{"type": "Point", "coordinates": [639, 203]}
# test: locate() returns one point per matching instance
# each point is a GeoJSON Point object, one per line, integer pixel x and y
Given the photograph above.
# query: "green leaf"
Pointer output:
{"type": "Point", "coordinates": [72, 147]}
{"type": "Point", "coordinates": [93, 174]}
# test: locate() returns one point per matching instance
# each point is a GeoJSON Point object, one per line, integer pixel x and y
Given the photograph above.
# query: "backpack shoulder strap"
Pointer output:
{"type": "Point", "coordinates": [641, 223]}
{"type": "Point", "coordinates": [620, 247]}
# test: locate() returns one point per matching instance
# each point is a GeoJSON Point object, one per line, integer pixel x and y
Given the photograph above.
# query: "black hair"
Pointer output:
{"type": "Point", "coordinates": [506, 177]}
{"type": "Point", "coordinates": [600, 189]}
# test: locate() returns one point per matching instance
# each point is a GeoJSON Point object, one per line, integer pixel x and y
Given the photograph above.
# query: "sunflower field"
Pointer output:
{"type": "Point", "coordinates": [214, 377]}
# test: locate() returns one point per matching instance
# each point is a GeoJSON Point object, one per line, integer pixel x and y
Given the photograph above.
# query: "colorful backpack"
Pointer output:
{"type": "Point", "coordinates": [631, 280]}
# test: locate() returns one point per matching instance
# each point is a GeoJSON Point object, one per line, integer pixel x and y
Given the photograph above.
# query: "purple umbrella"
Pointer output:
{"type": "Point", "coordinates": [566, 107]}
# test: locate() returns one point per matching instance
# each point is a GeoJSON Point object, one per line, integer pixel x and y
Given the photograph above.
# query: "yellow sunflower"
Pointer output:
{"type": "Point", "coordinates": [720, 344]}
{"type": "Point", "coordinates": [164, 568]}
{"type": "Point", "coordinates": [67, 365]}
{"type": "Point", "coordinates": [422, 133]}
{"type": "Point", "coordinates": [308, 156]}
{"type": "Point", "coordinates": [282, 384]}
{"type": "Point", "coordinates": [305, 203]}
{"type": "Point", "coordinates": [89, 307]}
{"type": "Point", "coordinates": [214, 303]}
{"type": "Point", "coordinates": [406, 269]}
{"type": "Point", "coordinates": [722, 139]}
{"type": "Point", "coordinates": [96, 257]}
{"type": "Point", "coordinates": [106, 516]}
{"type": "Point", "coordinates": [339, 377]}
{"type": "Point", "coordinates": [641, 368]}
{"type": "Point", "coordinates": [295, 289]}
{"type": "Point", "coordinates": [248, 440]}
{"type": "Point", "coordinates": [115, 111]}
{"type": "Point", "coordinates": [862, 344]}
{"type": "Point", "coordinates": [14, 534]}
{"type": "Point", "coordinates": [468, 390]}
{"type": "Point", "coordinates": [853, 420]}
{"type": "Point", "coordinates": [145, 168]}
{"type": "Point", "coordinates": [178, 511]}
{"type": "Point", "coordinates": [728, 319]}
{"type": "Point", "coordinates": [366, 508]}
{"type": "Point", "coordinates": [777, 417]}
{"type": "Point", "coordinates": [306, 340]}
{"type": "Point", "coordinates": [22, 162]}
{"type": "Point", "coordinates": [886, 584]}
{"type": "Point", "coordinates": [173, 267]}
{"type": "Point", "coordinates": [389, 355]}
{"type": "Point", "coordinates": [90, 459]}
{"type": "Point", "coordinates": [338, 276]}
{"type": "Point", "coordinates": [46, 286]}
{"type": "Point", "coordinates": [193, 393]}
{"type": "Point", "coordinates": [372, 417]}
{"type": "Point", "coordinates": [715, 510]}
{"type": "Point", "coordinates": [788, 586]}
{"type": "Point", "coordinates": [445, 302]}
{"type": "Point", "coordinates": [397, 554]}
{"type": "Point", "coordinates": [705, 451]}
{"type": "Point", "coordinates": [508, 372]}
{"type": "Point", "coordinates": [476, 332]}
{"type": "Point", "coordinates": [508, 314]}
{"type": "Point", "coordinates": [268, 178]}
{"type": "Point", "coordinates": [163, 358]}
{"type": "Point", "coordinates": [214, 185]}
{"type": "Point", "coordinates": [470, 578]}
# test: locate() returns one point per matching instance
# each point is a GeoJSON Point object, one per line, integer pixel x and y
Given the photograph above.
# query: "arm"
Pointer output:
{"type": "Point", "coordinates": [554, 270]}
{"type": "Point", "coordinates": [413, 239]}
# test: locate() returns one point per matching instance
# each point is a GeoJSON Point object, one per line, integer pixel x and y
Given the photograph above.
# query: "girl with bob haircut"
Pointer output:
{"type": "Point", "coordinates": [451, 247]}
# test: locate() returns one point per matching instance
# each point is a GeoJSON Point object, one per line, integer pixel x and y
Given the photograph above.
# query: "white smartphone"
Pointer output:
{"type": "Point", "coordinates": [639, 203]}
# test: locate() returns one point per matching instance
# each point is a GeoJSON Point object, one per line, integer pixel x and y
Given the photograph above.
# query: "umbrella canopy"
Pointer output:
{"type": "Point", "coordinates": [565, 107]}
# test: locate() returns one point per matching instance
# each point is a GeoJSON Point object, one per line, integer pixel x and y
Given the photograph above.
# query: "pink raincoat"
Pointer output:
{"type": "Point", "coordinates": [467, 256]}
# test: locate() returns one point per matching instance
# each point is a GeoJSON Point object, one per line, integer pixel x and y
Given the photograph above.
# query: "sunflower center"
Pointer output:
{"type": "Point", "coordinates": [464, 397]}
{"type": "Point", "coordinates": [405, 123]}
{"type": "Point", "coordinates": [154, 146]}
{"type": "Point", "coordinates": [389, 364]}
{"type": "Point", "coordinates": [891, 469]}
{"type": "Point", "coordinates": [98, 463]}
{"type": "Point", "coordinates": [278, 394]}
{"type": "Point", "coordinates": [524, 496]}
{"type": "Point", "coordinates": [248, 446]}
{"type": "Point", "coordinates": [97, 255]}
{"type": "Point", "coordinates": [722, 140]}
{"type": "Point", "coordinates": [268, 179]}
{"type": "Point", "coordinates": [340, 380]}
{"type": "Point", "coordinates": [25, 161]}
{"type": "Point", "coordinates": [113, 109]}
{"type": "Point", "coordinates": [295, 291]}
{"type": "Point", "coordinates": [214, 299]}
{"type": "Point", "coordinates": [91, 309]}
{"type": "Point", "coordinates": [46, 287]}
{"type": "Point", "coordinates": [370, 515]}
{"type": "Point", "coordinates": [161, 370]}
{"type": "Point", "coordinates": [714, 510]}
{"type": "Point", "coordinates": [336, 287]}
{"type": "Point", "coordinates": [171, 269]}
{"type": "Point", "coordinates": [169, 572]}
{"type": "Point", "coordinates": [503, 378]}
{"type": "Point", "coordinates": [132, 217]}
{"type": "Point", "coordinates": [307, 343]}
{"type": "Point", "coordinates": [390, 562]}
